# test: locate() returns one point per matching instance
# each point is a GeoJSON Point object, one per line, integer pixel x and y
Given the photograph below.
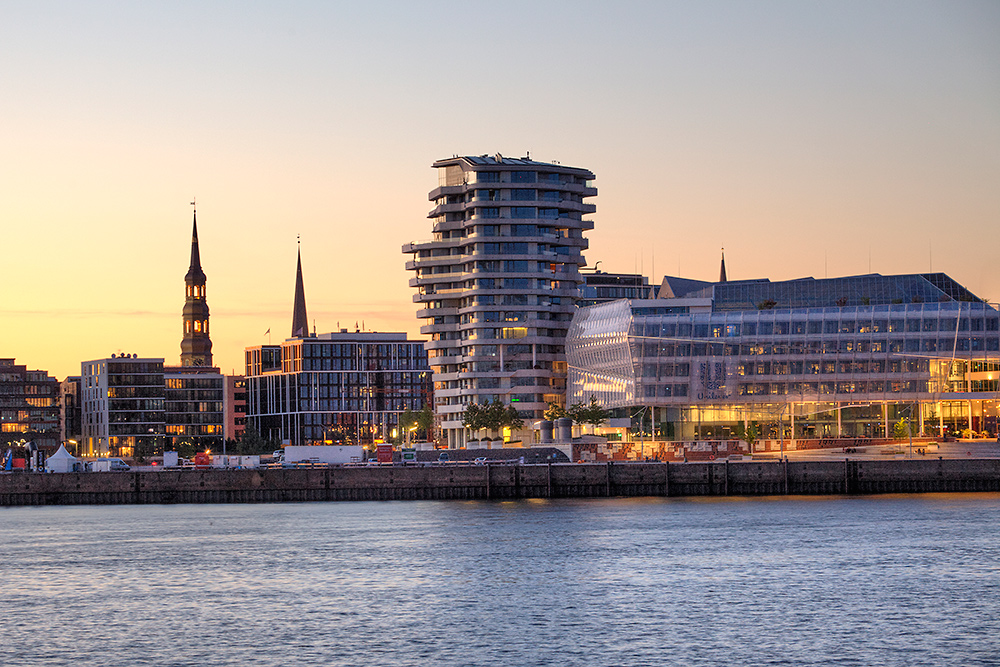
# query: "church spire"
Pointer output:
{"type": "Point", "coordinates": [194, 270]}
{"type": "Point", "coordinates": [722, 269]}
{"type": "Point", "coordinates": [300, 321]}
{"type": "Point", "coordinates": [196, 346]}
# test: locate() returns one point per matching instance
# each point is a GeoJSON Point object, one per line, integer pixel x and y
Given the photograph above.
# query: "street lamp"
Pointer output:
{"type": "Point", "coordinates": [642, 415]}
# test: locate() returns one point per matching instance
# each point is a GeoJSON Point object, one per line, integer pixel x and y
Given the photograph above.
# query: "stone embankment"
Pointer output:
{"type": "Point", "coordinates": [502, 482]}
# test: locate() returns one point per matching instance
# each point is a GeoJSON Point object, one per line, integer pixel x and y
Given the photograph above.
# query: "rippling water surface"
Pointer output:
{"type": "Point", "coordinates": [904, 580]}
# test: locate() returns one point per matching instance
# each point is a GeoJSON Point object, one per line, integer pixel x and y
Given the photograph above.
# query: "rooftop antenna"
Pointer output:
{"type": "Point", "coordinates": [193, 200]}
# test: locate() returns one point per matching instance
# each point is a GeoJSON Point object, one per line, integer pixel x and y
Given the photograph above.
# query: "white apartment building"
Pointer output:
{"type": "Point", "coordinates": [496, 284]}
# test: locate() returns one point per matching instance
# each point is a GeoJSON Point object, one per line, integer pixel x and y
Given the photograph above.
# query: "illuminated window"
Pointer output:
{"type": "Point", "coordinates": [197, 326]}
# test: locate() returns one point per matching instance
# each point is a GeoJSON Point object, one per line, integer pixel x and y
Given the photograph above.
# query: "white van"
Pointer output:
{"type": "Point", "coordinates": [108, 465]}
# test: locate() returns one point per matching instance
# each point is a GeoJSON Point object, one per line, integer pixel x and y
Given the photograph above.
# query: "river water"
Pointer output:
{"type": "Point", "coordinates": [895, 580]}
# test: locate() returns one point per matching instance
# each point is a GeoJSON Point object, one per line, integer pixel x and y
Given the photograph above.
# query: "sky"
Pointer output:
{"type": "Point", "coordinates": [808, 139]}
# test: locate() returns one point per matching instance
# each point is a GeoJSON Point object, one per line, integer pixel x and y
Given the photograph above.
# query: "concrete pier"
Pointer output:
{"type": "Point", "coordinates": [502, 482]}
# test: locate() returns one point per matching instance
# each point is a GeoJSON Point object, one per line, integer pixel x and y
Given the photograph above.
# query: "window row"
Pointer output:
{"type": "Point", "coordinates": [813, 327]}
{"type": "Point", "coordinates": [941, 346]}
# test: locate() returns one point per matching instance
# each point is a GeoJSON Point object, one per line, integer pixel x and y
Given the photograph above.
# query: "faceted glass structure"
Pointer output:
{"type": "Point", "coordinates": [710, 358]}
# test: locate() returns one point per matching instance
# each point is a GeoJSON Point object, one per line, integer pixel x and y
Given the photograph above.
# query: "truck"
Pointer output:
{"type": "Point", "coordinates": [322, 454]}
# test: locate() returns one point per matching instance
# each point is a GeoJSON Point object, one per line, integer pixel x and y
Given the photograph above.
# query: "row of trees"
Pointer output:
{"type": "Point", "coordinates": [492, 417]}
{"type": "Point", "coordinates": [423, 421]}
{"type": "Point", "coordinates": [591, 413]}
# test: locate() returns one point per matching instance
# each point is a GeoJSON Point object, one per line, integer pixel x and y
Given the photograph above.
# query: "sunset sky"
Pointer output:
{"type": "Point", "coordinates": [808, 138]}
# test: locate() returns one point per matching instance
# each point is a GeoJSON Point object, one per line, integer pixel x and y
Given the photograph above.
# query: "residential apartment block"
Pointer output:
{"type": "Point", "coordinates": [496, 283]}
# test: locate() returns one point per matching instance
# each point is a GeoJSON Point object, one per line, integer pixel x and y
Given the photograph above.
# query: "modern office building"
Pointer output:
{"type": "Point", "coordinates": [29, 406]}
{"type": "Point", "coordinates": [599, 287]}
{"type": "Point", "coordinates": [342, 386]}
{"type": "Point", "coordinates": [133, 406]}
{"type": "Point", "coordinates": [843, 357]}
{"type": "Point", "coordinates": [70, 414]}
{"type": "Point", "coordinates": [235, 421]}
{"type": "Point", "coordinates": [123, 406]}
{"type": "Point", "coordinates": [194, 407]}
{"type": "Point", "coordinates": [496, 284]}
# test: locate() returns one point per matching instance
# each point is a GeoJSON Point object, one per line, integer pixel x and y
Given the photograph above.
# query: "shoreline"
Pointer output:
{"type": "Point", "coordinates": [504, 482]}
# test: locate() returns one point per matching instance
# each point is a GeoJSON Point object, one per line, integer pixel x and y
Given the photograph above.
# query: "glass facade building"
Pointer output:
{"type": "Point", "coordinates": [348, 387]}
{"type": "Point", "coordinates": [194, 404]}
{"type": "Point", "coordinates": [122, 405]}
{"type": "Point", "coordinates": [844, 357]}
{"type": "Point", "coordinates": [29, 406]}
{"type": "Point", "coordinates": [497, 283]}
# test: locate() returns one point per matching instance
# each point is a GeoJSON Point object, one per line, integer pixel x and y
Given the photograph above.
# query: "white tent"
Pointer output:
{"type": "Point", "coordinates": [61, 461]}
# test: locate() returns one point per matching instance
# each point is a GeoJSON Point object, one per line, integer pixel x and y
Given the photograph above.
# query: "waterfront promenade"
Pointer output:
{"type": "Point", "coordinates": [847, 476]}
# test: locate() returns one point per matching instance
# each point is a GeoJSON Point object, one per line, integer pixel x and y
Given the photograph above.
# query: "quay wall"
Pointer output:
{"type": "Point", "coordinates": [503, 482]}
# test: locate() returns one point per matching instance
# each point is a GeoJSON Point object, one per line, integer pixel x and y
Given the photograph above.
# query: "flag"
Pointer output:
{"type": "Point", "coordinates": [268, 331]}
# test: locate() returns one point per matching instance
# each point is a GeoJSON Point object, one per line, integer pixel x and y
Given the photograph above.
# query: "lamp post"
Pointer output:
{"type": "Point", "coordinates": [642, 415]}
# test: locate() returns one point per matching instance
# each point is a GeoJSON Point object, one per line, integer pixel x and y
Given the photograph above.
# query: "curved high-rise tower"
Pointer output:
{"type": "Point", "coordinates": [496, 285]}
{"type": "Point", "coordinates": [196, 346]}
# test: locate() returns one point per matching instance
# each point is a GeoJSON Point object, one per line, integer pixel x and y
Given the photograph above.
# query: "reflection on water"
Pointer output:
{"type": "Point", "coordinates": [903, 580]}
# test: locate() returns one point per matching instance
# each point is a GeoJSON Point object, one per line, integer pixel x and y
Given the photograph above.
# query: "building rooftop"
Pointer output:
{"type": "Point", "coordinates": [499, 160]}
{"type": "Point", "coordinates": [864, 290]}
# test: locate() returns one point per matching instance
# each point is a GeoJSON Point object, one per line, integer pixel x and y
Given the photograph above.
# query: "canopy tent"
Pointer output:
{"type": "Point", "coordinates": [61, 461]}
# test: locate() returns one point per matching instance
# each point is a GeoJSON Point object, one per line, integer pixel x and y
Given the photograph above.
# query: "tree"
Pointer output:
{"type": "Point", "coordinates": [407, 420]}
{"type": "Point", "coordinates": [554, 412]}
{"type": "Point", "coordinates": [512, 419]}
{"type": "Point", "coordinates": [252, 442]}
{"type": "Point", "coordinates": [474, 418]}
{"type": "Point", "coordinates": [492, 417]}
{"type": "Point", "coordinates": [425, 421]}
{"type": "Point", "coordinates": [594, 414]}
{"type": "Point", "coordinates": [495, 416]}
{"type": "Point", "coordinates": [748, 433]}
{"type": "Point", "coordinates": [901, 430]}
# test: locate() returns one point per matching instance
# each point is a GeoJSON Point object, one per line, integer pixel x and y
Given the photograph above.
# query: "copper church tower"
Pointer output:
{"type": "Point", "coordinates": [196, 346]}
